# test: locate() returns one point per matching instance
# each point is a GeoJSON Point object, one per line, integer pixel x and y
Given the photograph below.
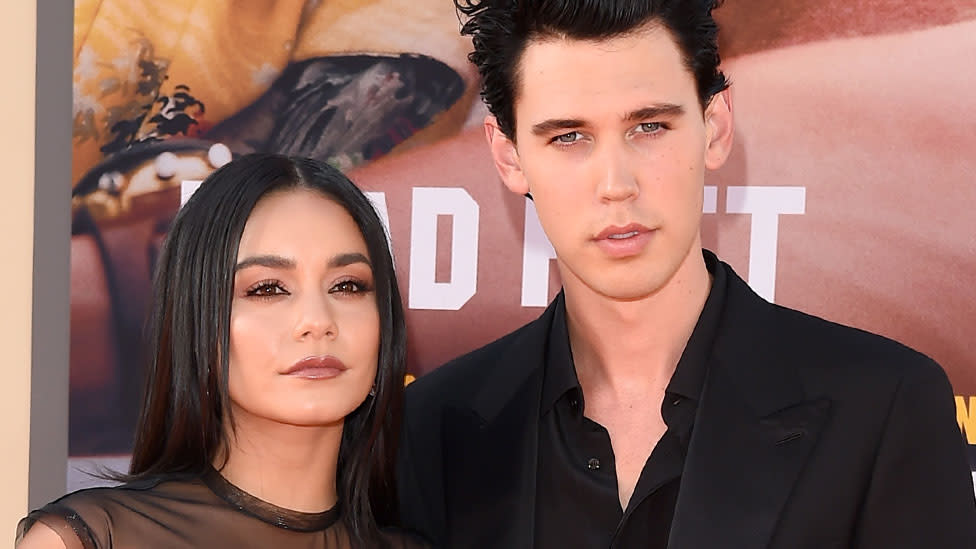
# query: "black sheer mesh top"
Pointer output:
{"type": "Point", "coordinates": [193, 511]}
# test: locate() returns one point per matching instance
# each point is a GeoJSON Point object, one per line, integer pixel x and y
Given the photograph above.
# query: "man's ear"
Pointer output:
{"type": "Point", "coordinates": [719, 129]}
{"type": "Point", "coordinates": [506, 157]}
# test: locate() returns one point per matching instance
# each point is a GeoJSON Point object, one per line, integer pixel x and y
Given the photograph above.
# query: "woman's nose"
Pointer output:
{"type": "Point", "coordinates": [316, 320]}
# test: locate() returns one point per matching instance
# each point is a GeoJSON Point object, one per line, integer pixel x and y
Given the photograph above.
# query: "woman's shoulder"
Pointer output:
{"type": "Point", "coordinates": [132, 495]}
{"type": "Point", "coordinates": [88, 518]}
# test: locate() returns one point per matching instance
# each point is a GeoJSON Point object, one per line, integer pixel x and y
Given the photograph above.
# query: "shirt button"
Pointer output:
{"type": "Point", "coordinates": [574, 404]}
{"type": "Point", "coordinates": [593, 464]}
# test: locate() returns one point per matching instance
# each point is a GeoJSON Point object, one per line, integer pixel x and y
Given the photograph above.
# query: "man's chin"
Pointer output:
{"type": "Point", "coordinates": [630, 284]}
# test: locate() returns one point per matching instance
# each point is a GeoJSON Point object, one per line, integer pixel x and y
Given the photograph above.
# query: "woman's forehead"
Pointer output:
{"type": "Point", "coordinates": [300, 220]}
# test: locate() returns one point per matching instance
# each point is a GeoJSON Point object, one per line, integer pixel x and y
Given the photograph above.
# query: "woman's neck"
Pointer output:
{"type": "Point", "coordinates": [288, 466]}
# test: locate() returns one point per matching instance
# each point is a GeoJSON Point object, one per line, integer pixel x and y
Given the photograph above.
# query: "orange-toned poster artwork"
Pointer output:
{"type": "Point", "coordinates": [851, 193]}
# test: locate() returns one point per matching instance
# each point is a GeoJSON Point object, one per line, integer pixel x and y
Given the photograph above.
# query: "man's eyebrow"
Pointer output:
{"type": "Point", "coordinates": [655, 111]}
{"type": "Point", "coordinates": [552, 125]}
{"type": "Point", "coordinates": [555, 124]}
{"type": "Point", "coordinates": [271, 261]}
{"type": "Point", "coordinates": [341, 260]}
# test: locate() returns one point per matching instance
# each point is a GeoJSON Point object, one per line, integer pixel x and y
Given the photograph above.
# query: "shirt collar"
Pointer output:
{"type": "Point", "coordinates": [689, 375]}
{"type": "Point", "coordinates": [560, 370]}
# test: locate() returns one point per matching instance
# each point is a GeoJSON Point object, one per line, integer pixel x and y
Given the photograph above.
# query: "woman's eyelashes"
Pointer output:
{"type": "Point", "coordinates": [269, 289]}
{"type": "Point", "coordinates": [351, 286]}
{"type": "Point", "coordinates": [266, 289]}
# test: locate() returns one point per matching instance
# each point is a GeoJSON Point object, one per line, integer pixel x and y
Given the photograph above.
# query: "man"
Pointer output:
{"type": "Point", "coordinates": [658, 402]}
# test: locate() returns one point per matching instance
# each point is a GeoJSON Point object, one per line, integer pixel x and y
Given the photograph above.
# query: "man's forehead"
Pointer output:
{"type": "Point", "coordinates": [650, 31]}
{"type": "Point", "coordinates": [559, 77]}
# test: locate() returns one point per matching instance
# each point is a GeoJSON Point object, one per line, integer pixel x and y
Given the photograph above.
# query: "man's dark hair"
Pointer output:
{"type": "Point", "coordinates": [501, 30]}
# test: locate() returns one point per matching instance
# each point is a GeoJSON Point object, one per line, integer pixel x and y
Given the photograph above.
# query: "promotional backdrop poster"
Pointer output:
{"type": "Point", "coordinates": [851, 192]}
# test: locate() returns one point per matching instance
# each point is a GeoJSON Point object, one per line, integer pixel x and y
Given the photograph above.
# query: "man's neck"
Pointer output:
{"type": "Point", "coordinates": [632, 346]}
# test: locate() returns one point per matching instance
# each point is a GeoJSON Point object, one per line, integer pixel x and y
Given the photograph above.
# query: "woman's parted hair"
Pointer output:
{"type": "Point", "coordinates": [186, 402]}
{"type": "Point", "coordinates": [502, 29]}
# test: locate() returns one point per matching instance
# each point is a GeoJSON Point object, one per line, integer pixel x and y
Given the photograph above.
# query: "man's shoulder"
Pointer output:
{"type": "Point", "coordinates": [818, 344]}
{"type": "Point", "coordinates": [754, 327]}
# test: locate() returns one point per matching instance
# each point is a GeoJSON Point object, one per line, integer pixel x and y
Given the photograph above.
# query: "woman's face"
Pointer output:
{"type": "Point", "coordinates": [304, 331]}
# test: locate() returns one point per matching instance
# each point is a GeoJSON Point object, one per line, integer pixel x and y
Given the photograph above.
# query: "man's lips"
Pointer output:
{"type": "Point", "coordinates": [623, 241]}
{"type": "Point", "coordinates": [620, 233]}
{"type": "Point", "coordinates": [316, 367]}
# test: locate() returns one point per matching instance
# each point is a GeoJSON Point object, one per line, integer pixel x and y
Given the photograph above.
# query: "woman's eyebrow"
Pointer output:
{"type": "Point", "coordinates": [341, 260]}
{"type": "Point", "coordinates": [272, 261]}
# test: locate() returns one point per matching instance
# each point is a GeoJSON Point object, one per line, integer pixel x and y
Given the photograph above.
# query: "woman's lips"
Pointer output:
{"type": "Point", "coordinates": [316, 367]}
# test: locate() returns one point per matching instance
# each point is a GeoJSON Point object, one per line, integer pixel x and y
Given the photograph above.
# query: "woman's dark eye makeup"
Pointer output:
{"type": "Point", "coordinates": [274, 288]}
{"type": "Point", "coordinates": [351, 286]}
{"type": "Point", "coordinates": [266, 288]}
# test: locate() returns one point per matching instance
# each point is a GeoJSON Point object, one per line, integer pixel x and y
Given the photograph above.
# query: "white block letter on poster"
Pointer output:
{"type": "Point", "coordinates": [765, 204]}
{"type": "Point", "coordinates": [187, 188]}
{"type": "Point", "coordinates": [378, 199]}
{"type": "Point", "coordinates": [424, 292]}
{"type": "Point", "coordinates": [536, 253]}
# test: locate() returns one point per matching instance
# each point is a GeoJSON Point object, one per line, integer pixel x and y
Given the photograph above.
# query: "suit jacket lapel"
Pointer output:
{"type": "Point", "coordinates": [741, 469]}
{"type": "Point", "coordinates": [491, 448]}
{"type": "Point", "coordinates": [754, 431]}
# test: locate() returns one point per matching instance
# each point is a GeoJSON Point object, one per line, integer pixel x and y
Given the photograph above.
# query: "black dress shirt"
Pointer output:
{"type": "Point", "coordinates": [577, 502]}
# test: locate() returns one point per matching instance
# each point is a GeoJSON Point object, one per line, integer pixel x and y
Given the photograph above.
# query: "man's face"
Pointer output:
{"type": "Point", "coordinates": [612, 144]}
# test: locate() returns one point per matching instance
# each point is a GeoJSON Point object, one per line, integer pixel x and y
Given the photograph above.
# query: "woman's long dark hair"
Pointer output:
{"type": "Point", "coordinates": [186, 404]}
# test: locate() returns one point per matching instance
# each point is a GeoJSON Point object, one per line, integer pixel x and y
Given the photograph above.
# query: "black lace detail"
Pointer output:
{"type": "Point", "coordinates": [268, 512]}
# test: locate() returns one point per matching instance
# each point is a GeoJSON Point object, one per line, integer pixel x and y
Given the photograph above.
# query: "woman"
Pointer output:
{"type": "Point", "coordinates": [274, 393]}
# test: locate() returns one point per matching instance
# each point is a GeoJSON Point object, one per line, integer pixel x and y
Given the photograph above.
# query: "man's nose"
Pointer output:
{"type": "Point", "coordinates": [618, 179]}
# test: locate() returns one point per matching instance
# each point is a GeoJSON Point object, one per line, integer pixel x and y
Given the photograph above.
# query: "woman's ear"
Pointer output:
{"type": "Point", "coordinates": [506, 158]}
{"type": "Point", "coordinates": [719, 129]}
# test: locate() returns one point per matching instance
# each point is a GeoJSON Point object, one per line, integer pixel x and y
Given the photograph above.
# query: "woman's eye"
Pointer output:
{"type": "Point", "coordinates": [266, 289]}
{"type": "Point", "coordinates": [568, 138]}
{"type": "Point", "coordinates": [349, 287]}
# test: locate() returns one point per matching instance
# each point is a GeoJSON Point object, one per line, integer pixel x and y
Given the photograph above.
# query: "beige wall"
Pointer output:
{"type": "Point", "coordinates": [17, 65]}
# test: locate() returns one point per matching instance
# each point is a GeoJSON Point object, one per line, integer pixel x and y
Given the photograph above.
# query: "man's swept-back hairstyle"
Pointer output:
{"type": "Point", "coordinates": [186, 407]}
{"type": "Point", "coordinates": [501, 30]}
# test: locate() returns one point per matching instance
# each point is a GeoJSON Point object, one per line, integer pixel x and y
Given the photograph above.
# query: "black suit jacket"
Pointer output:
{"type": "Point", "coordinates": [808, 434]}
